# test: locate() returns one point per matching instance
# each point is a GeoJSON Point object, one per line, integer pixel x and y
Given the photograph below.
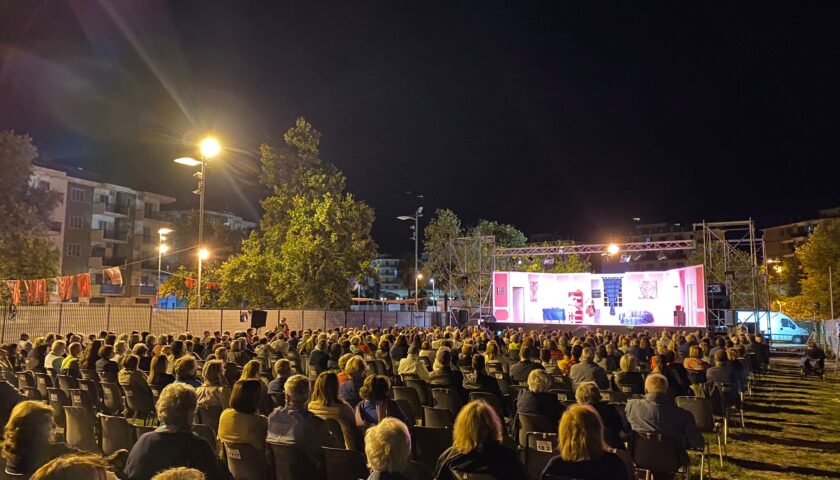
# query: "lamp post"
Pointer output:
{"type": "Point", "coordinates": [416, 237]}
{"type": "Point", "coordinates": [432, 280]}
{"type": "Point", "coordinates": [162, 248]}
{"type": "Point", "coordinates": [203, 254]}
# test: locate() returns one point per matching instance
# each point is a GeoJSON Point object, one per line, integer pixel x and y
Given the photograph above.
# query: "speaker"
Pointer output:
{"type": "Point", "coordinates": [463, 317]}
{"type": "Point", "coordinates": [258, 318]}
{"type": "Point", "coordinates": [729, 318]}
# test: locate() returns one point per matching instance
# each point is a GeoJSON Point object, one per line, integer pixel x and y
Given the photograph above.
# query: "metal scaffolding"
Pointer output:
{"type": "Point", "coordinates": [469, 272]}
{"type": "Point", "coordinates": [600, 248]}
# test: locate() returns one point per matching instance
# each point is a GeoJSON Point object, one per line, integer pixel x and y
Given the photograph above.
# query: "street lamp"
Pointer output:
{"type": "Point", "coordinates": [209, 148]}
{"type": "Point", "coordinates": [203, 254]}
{"type": "Point", "coordinates": [416, 237]}
{"type": "Point", "coordinates": [432, 280]}
{"type": "Point", "coordinates": [162, 248]}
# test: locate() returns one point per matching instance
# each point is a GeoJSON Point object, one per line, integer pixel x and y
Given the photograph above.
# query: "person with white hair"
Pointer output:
{"type": "Point", "coordinates": [295, 425]}
{"type": "Point", "coordinates": [537, 400]}
{"type": "Point", "coordinates": [388, 449]}
{"type": "Point", "coordinates": [657, 413]}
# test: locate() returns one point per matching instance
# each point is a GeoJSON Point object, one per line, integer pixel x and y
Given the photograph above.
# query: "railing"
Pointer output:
{"type": "Point", "coordinates": [116, 208]}
{"type": "Point", "coordinates": [115, 234]}
{"type": "Point", "coordinates": [113, 261]}
{"type": "Point", "coordinates": [111, 289]}
{"type": "Point", "coordinates": [85, 319]}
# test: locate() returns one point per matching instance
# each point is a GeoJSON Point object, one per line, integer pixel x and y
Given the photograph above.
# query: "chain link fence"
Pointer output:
{"type": "Point", "coordinates": [85, 319]}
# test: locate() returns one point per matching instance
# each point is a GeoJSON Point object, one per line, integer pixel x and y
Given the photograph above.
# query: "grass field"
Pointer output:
{"type": "Point", "coordinates": [792, 429]}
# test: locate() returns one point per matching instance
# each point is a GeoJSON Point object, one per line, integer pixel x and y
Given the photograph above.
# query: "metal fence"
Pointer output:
{"type": "Point", "coordinates": [77, 318]}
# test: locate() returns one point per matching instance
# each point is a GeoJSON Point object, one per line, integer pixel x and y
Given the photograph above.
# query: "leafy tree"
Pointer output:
{"type": "Point", "coordinates": [314, 238]}
{"type": "Point", "coordinates": [444, 226]}
{"type": "Point", "coordinates": [507, 236]}
{"type": "Point", "coordinates": [221, 240]}
{"type": "Point", "coordinates": [180, 284]}
{"type": "Point", "coordinates": [26, 209]}
{"type": "Point", "coordinates": [816, 255]}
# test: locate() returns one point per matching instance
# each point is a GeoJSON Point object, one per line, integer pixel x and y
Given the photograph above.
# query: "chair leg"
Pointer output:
{"type": "Point", "coordinates": [702, 464]}
{"type": "Point", "coordinates": [725, 430]}
{"type": "Point", "coordinates": [720, 449]}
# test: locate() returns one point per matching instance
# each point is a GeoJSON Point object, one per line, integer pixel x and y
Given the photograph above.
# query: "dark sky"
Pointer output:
{"type": "Point", "coordinates": [566, 117]}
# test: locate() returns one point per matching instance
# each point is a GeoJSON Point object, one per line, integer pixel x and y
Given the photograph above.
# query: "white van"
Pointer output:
{"type": "Point", "coordinates": [781, 328]}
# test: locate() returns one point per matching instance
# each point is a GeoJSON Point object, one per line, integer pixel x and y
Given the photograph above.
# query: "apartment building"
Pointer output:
{"type": "Point", "coordinates": [98, 225]}
{"type": "Point", "coordinates": [781, 241]}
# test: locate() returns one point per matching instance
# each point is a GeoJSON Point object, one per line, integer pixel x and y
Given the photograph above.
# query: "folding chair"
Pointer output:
{"type": "Point", "coordinates": [341, 464]}
{"type": "Point", "coordinates": [422, 389]}
{"type": "Point", "coordinates": [79, 430]}
{"type": "Point", "coordinates": [438, 417]}
{"type": "Point", "coordinates": [533, 423]}
{"type": "Point", "coordinates": [112, 398]}
{"type": "Point", "coordinates": [245, 462]}
{"type": "Point", "coordinates": [409, 394]}
{"type": "Point", "coordinates": [117, 434]}
{"type": "Point", "coordinates": [703, 413]}
{"type": "Point", "coordinates": [207, 434]}
{"type": "Point", "coordinates": [447, 398]}
{"type": "Point", "coordinates": [654, 452]}
{"type": "Point", "coordinates": [540, 447]}
{"type": "Point", "coordinates": [428, 443]}
{"type": "Point", "coordinates": [291, 463]}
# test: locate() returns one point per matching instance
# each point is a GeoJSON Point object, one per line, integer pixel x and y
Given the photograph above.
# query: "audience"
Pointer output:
{"type": "Point", "coordinates": [282, 372]}
{"type": "Point", "coordinates": [657, 413]}
{"type": "Point", "coordinates": [106, 363]}
{"type": "Point", "coordinates": [588, 371]}
{"type": "Point", "coordinates": [29, 438]}
{"type": "Point", "coordinates": [326, 404]}
{"type": "Point", "coordinates": [157, 372]}
{"type": "Point", "coordinates": [444, 376]}
{"type": "Point", "coordinates": [241, 423]}
{"type": "Point", "coordinates": [537, 400]}
{"type": "Point", "coordinates": [349, 390]}
{"type": "Point", "coordinates": [88, 466]}
{"type": "Point", "coordinates": [388, 450]}
{"type": "Point", "coordinates": [185, 371]}
{"type": "Point", "coordinates": [629, 380]}
{"type": "Point", "coordinates": [520, 370]}
{"type": "Point", "coordinates": [589, 394]}
{"type": "Point", "coordinates": [214, 392]}
{"type": "Point", "coordinates": [411, 364]}
{"type": "Point", "coordinates": [180, 473]}
{"type": "Point", "coordinates": [376, 403]}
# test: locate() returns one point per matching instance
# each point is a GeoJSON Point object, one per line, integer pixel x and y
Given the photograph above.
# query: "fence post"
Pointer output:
{"type": "Point", "coordinates": [221, 320]}
{"type": "Point", "coordinates": [3, 328]}
{"type": "Point", "coordinates": [187, 322]}
{"type": "Point", "coordinates": [151, 310]}
{"type": "Point", "coordinates": [301, 319]}
{"type": "Point", "coordinates": [60, 313]}
{"type": "Point", "coordinates": [345, 319]}
{"type": "Point", "coordinates": [108, 318]}
{"type": "Point", "coordinates": [325, 320]}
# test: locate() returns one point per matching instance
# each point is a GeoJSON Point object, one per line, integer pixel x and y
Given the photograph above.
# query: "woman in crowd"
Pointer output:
{"type": "Point", "coordinates": [492, 354]}
{"type": "Point", "coordinates": [465, 359]}
{"type": "Point", "coordinates": [383, 352]}
{"type": "Point", "coordinates": [157, 372]}
{"type": "Point", "coordinates": [537, 400]}
{"type": "Point", "coordinates": [241, 423]}
{"type": "Point", "coordinates": [478, 380]}
{"type": "Point", "coordinates": [28, 439]}
{"type": "Point", "coordinates": [589, 394]}
{"type": "Point", "coordinates": [628, 379]}
{"type": "Point", "coordinates": [349, 390]}
{"type": "Point", "coordinates": [91, 355]}
{"type": "Point", "coordinates": [185, 372]}
{"type": "Point", "coordinates": [604, 360]}
{"type": "Point", "coordinates": [106, 363]}
{"type": "Point", "coordinates": [376, 402]}
{"type": "Point", "coordinates": [388, 450]}
{"type": "Point", "coordinates": [582, 454]}
{"type": "Point", "coordinates": [253, 371]}
{"type": "Point", "coordinates": [37, 356]}
{"type": "Point", "coordinates": [173, 444]}
{"type": "Point", "coordinates": [325, 404]}
{"type": "Point", "coordinates": [131, 376]}
{"type": "Point", "coordinates": [399, 350]}
{"type": "Point", "coordinates": [477, 448]}
{"type": "Point", "coordinates": [215, 391]}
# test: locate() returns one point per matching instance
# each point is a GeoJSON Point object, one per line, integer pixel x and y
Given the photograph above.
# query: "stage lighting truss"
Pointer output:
{"type": "Point", "coordinates": [624, 248]}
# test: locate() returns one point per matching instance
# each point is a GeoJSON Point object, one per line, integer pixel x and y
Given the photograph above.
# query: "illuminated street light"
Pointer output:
{"type": "Point", "coordinates": [162, 248]}
{"type": "Point", "coordinates": [612, 249]}
{"type": "Point", "coordinates": [209, 147]}
{"type": "Point", "coordinates": [188, 161]}
{"type": "Point", "coordinates": [416, 237]}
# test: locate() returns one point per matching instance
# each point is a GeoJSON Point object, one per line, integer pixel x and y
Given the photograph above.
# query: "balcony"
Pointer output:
{"type": "Point", "coordinates": [111, 290]}
{"type": "Point", "coordinates": [115, 235]}
{"type": "Point", "coordinates": [101, 208]}
{"type": "Point", "coordinates": [154, 215]}
{"type": "Point", "coordinates": [95, 262]}
{"type": "Point", "coordinates": [113, 261]}
{"type": "Point", "coordinates": [55, 227]}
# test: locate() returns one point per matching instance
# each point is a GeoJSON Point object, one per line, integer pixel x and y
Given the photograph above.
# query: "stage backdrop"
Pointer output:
{"type": "Point", "coordinates": [667, 298]}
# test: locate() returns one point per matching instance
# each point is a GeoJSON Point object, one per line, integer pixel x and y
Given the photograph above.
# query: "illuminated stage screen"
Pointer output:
{"type": "Point", "coordinates": [632, 298]}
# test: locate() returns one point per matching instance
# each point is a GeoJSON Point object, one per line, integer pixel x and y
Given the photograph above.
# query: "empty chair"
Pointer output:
{"type": "Point", "coordinates": [245, 462]}
{"type": "Point", "coordinates": [209, 415]}
{"type": "Point", "coordinates": [654, 452]}
{"type": "Point", "coordinates": [438, 417]}
{"type": "Point", "coordinates": [116, 434]}
{"type": "Point", "coordinates": [140, 402]}
{"type": "Point", "coordinates": [504, 381]}
{"type": "Point", "coordinates": [92, 389]}
{"type": "Point", "coordinates": [491, 399]}
{"type": "Point", "coordinates": [58, 400]}
{"type": "Point", "coordinates": [447, 398]}
{"type": "Point", "coordinates": [43, 381]}
{"type": "Point", "coordinates": [112, 398]}
{"type": "Point", "coordinates": [539, 448]}
{"type": "Point", "coordinates": [406, 410]}
{"type": "Point", "coordinates": [428, 443]}
{"type": "Point", "coordinates": [409, 394]}
{"type": "Point", "coordinates": [341, 464]}
{"type": "Point", "coordinates": [422, 389]}
{"type": "Point", "coordinates": [207, 433]}
{"type": "Point", "coordinates": [701, 410]}
{"type": "Point", "coordinates": [67, 383]}
{"type": "Point", "coordinates": [80, 398]}
{"type": "Point", "coordinates": [533, 423]}
{"type": "Point", "coordinates": [26, 379]}
{"type": "Point", "coordinates": [79, 431]}
{"type": "Point", "coordinates": [291, 463]}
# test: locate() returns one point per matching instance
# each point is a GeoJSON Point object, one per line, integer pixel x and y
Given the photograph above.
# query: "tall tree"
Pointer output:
{"type": "Point", "coordinates": [220, 239]}
{"type": "Point", "coordinates": [26, 209]}
{"type": "Point", "coordinates": [816, 255]}
{"type": "Point", "coordinates": [506, 235]}
{"type": "Point", "coordinates": [443, 227]}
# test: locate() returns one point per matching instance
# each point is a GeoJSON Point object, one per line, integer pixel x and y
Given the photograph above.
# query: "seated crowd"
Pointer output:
{"type": "Point", "coordinates": [336, 389]}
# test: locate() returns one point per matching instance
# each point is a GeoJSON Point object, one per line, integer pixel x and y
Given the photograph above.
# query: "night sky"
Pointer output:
{"type": "Point", "coordinates": [558, 117]}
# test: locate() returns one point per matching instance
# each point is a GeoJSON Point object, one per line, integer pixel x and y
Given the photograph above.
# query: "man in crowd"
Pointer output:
{"type": "Point", "coordinates": [588, 371]}
{"type": "Point", "coordinates": [656, 413]}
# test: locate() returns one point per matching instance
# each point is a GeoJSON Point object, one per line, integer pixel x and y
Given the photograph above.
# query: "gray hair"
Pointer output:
{"type": "Point", "coordinates": [176, 404]}
{"type": "Point", "coordinates": [588, 393]}
{"type": "Point", "coordinates": [297, 388]}
{"type": "Point", "coordinates": [388, 446]}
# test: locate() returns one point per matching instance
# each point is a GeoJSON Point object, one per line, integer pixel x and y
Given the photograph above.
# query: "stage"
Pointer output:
{"type": "Point", "coordinates": [579, 329]}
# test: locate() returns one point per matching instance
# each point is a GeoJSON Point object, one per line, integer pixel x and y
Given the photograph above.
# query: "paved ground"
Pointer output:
{"type": "Point", "coordinates": [792, 429]}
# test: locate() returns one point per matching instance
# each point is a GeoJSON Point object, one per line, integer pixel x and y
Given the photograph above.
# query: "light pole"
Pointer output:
{"type": "Point", "coordinates": [203, 254]}
{"type": "Point", "coordinates": [162, 248]}
{"type": "Point", "coordinates": [416, 237]}
{"type": "Point", "coordinates": [432, 280]}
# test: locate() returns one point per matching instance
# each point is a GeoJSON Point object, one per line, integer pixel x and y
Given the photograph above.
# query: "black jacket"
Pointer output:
{"type": "Point", "coordinates": [492, 460]}
{"type": "Point", "coordinates": [541, 403]}
{"type": "Point", "coordinates": [157, 451]}
{"type": "Point", "coordinates": [519, 371]}
{"type": "Point", "coordinates": [448, 378]}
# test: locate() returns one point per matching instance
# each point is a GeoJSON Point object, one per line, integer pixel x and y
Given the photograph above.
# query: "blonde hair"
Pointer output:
{"type": "Point", "coordinates": [588, 393]}
{"type": "Point", "coordinates": [656, 383]}
{"type": "Point", "coordinates": [297, 388]}
{"type": "Point", "coordinates": [388, 446]}
{"type": "Point", "coordinates": [538, 381]}
{"type": "Point", "coordinates": [355, 367]}
{"type": "Point", "coordinates": [628, 363]}
{"type": "Point", "coordinates": [213, 373]}
{"type": "Point", "coordinates": [580, 435]}
{"type": "Point", "coordinates": [76, 465]}
{"type": "Point", "coordinates": [476, 425]}
{"type": "Point", "coordinates": [180, 473]}
{"type": "Point", "coordinates": [252, 370]}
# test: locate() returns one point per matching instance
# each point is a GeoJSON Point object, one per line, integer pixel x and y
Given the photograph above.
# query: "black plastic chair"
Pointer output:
{"type": "Point", "coordinates": [533, 423]}
{"type": "Point", "coordinates": [92, 389]}
{"type": "Point", "coordinates": [540, 447]}
{"type": "Point", "coordinates": [10, 377]}
{"type": "Point", "coordinates": [67, 383]}
{"type": "Point", "coordinates": [27, 379]}
{"type": "Point", "coordinates": [43, 381]}
{"type": "Point", "coordinates": [117, 434]}
{"type": "Point", "coordinates": [112, 398]}
{"type": "Point", "coordinates": [58, 400]}
{"type": "Point", "coordinates": [245, 462]}
{"type": "Point", "coordinates": [701, 410]}
{"type": "Point", "coordinates": [207, 433]}
{"type": "Point", "coordinates": [140, 402]}
{"type": "Point", "coordinates": [90, 375]}
{"type": "Point", "coordinates": [209, 415]}
{"type": "Point", "coordinates": [438, 417]}
{"type": "Point", "coordinates": [447, 398]}
{"type": "Point", "coordinates": [79, 431]}
{"type": "Point", "coordinates": [409, 394]}
{"type": "Point", "coordinates": [341, 464]}
{"type": "Point", "coordinates": [80, 398]}
{"type": "Point", "coordinates": [491, 399]}
{"type": "Point", "coordinates": [428, 443]}
{"type": "Point", "coordinates": [422, 389]}
{"type": "Point", "coordinates": [291, 463]}
{"type": "Point", "coordinates": [109, 377]}
{"type": "Point", "coordinates": [654, 452]}
{"type": "Point", "coordinates": [504, 381]}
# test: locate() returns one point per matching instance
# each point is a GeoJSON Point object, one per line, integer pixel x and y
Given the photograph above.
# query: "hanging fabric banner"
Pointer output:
{"type": "Point", "coordinates": [83, 284]}
{"type": "Point", "coordinates": [114, 275]}
{"type": "Point", "coordinates": [14, 290]}
{"type": "Point", "coordinates": [189, 282]}
{"type": "Point", "coordinates": [36, 291]}
{"type": "Point", "coordinates": [65, 287]}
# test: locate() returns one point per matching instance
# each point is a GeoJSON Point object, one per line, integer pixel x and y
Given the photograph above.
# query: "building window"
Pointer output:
{"type": "Point", "coordinates": [74, 249]}
{"type": "Point", "coordinates": [77, 194]}
{"type": "Point", "coordinates": [75, 221]}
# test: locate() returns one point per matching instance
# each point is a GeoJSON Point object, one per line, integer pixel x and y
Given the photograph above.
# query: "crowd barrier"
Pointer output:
{"type": "Point", "coordinates": [78, 318]}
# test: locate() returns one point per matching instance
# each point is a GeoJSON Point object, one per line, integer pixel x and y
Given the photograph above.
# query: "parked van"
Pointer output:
{"type": "Point", "coordinates": [780, 328]}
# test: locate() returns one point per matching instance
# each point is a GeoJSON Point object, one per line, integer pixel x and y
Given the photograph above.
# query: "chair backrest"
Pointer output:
{"type": "Point", "coordinates": [529, 422]}
{"type": "Point", "coordinates": [107, 377]}
{"type": "Point", "coordinates": [139, 400]}
{"type": "Point", "coordinates": [245, 462]}
{"type": "Point", "coordinates": [504, 381]}
{"type": "Point", "coordinates": [207, 433]}
{"type": "Point", "coordinates": [341, 464]}
{"type": "Point", "coordinates": [562, 382]}
{"type": "Point", "coordinates": [438, 417]}
{"type": "Point", "coordinates": [428, 443]}
{"type": "Point", "coordinates": [11, 378]}
{"type": "Point", "coordinates": [80, 398]}
{"type": "Point", "coordinates": [79, 431]}
{"type": "Point", "coordinates": [58, 400]}
{"type": "Point", "coordinates": [406, 410]}
{"type": "Point", "coordinates": [43, 382]}
{"type": "Point", "coordinates": [27, 379]}
{"type": "Point", "coordinates": [539, 448]}
{"type": "Point", "coordinates": [67, 383]}
{"type": "Point", "coordinates": [426, 362]}
{"type": "Point", "coordinates": [112, 398]}
{"type": "Point", "coordinates": [409, 394]}
{"type": "Point", "coordinates": [90, 375]}
{"type": "Point", "coordinates": [460, 475]}
{"type": "Point", "coordinates": [447, 398]}
{"type": "Point", "coordinates": [140, 430]}
{"type": "Point", "coordinates": [701, 410]}
{"type": "Point", "coordinates": [418, 471]}
{"type": "Point", "coordinates": [656, 452]}
{"type": "Point", "coordinates": [116, 434]}
{"type": "Point", "coordinates": [89, 386]}
{"type": "Point", "coordinates": [156, 389]}
{"type": "Point", "coordinates": [335, 429]}
{"type": "Point", "coordinates": [491, 399]}
{"type": "Point", "coordinates": [291, 463]}
{"type": "Point", "coordinates": [209, 415]}
{"type": "Point", "coordinates": [422, 389]}
{"type": "Point", "coordinates": [614, 396]}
